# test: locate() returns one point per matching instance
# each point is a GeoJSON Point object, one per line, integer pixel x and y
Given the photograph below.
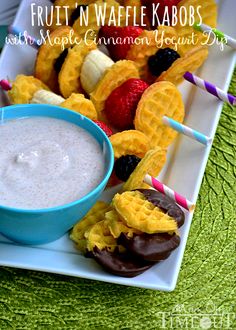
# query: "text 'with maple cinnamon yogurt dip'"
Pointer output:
{"type": "Point", "coordinates": [47, 162]}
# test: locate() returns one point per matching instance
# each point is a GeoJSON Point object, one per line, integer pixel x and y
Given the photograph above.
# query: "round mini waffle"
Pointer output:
{"type": "Point", "coordinates": [117, 226]}
{"type": "Point", "coordinates": [137, 212]}
{"type": "Point", "coordinates": [191, 61]}
{"type": "Point", "coordinates": [96, 214]}
{"type": "Point", "coordinates": [99, 235]}
{"type": "Point", "coordinates": [166, 204]}
{"type": "Point", "coordinates": [158, 100]}
{"type": "Point", "coordinates": [152, 163]}
{"type": "Point", "coordinates": [69, 76]}
{"type": "Point", "coordinates": [121, 264]}
{"type": "Point", "coordinates": [48, 54]}
{"type": "Point", "coordinates": [151, 42]}
{"type": "Point", "coordinates": [208, 13]}
{"type": "Point", "coordinates": [131, 142]}
{"type": "Point", "coordinates": [113, 77]}
{"type": "Point", "coordinates": [78, 103]}
{"type": "Point", "coordinates": [24, 88]}
{"type": "Point", "coordinates": [150, 247]}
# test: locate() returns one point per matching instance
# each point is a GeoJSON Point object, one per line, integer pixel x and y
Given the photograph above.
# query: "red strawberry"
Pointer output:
{"type": "Point", "coordinates": [161, 9]}
{"type": "Point", "coordinates": [119, 39]}
{"type": "Point", "coordinates": [104, 127]}
{"type": "Point", "coordinates": [121, 105]}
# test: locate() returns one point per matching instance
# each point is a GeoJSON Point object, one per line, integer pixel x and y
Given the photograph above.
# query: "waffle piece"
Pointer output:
{"type": "Point", "coordinates": [96, 214]}
{"type": "Point", "coordinates": [59, 17]}
{"type": "Point", "coordinates": [121, 264]}
{"type": "Point", "coordinates": [160, 99]}
{"type": "Point", "coordinates": [69, 76]}
{"type": "Point", "coordinates": [78, 103]}
{"type": "Point", "coordinates": [48, 54]}
{"type": "Point", "coordinates": [137, 212]}
{"type": "Point", "coordinates": [151, 42]}
{"type": "Point", "coordinates": [113, 77]}
{"type": "Point", "coordinates": [150, 247]}
{"type": "Point", "coordinates": [131, 142]}
{"type": "Point", "coordinates": [99, 235]}
{"type": "Point", "coordinates": [117, 226]}
{"type": "Point", "coordinates": [81, 27]}
{"type": "Point", "coordinates": [23, 89]}
{"type": "Point", "coordinates": [208, 12]}
{"type": "Point", "coordinates": [165, 203]}
{"type": "Point", "coordinates": [152, 163]}
{"type": "Point", "coordinates": [191, 61]}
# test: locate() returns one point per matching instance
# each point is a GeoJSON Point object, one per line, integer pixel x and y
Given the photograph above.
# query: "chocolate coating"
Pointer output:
{"type": "Point", "coordinates": [121, 264]}
{"type": "Point", "coordinates": [150, 247]}
{"type": "Point", "coordinates": [165, 203]}
{"type": "Point", "coordinates": [145, 249]}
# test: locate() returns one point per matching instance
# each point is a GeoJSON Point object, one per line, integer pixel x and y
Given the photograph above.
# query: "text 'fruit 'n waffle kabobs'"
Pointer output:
{"type": "Point", "coordinates": [140, 227]}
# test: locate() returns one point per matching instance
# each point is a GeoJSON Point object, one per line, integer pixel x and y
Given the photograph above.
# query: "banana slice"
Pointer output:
{"type": "Point", "coordinates": [76, 102]}
{"type": "Point", "coordinates": [93, 68]}
{"type": "Point", "coordinates": [45, 97]}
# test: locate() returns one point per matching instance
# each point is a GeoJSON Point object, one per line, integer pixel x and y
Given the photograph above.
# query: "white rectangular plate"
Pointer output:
{"type": "Point", "coordinates": [183, 172]}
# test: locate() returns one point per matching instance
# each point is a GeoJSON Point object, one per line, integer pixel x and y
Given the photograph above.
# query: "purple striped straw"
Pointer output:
{"type": "Point", "coordinates": [212, 89]}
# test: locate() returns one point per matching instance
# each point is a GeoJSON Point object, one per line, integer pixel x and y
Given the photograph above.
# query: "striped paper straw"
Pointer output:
{"type": "Point", "coordinates": [224, 38]}
{"type": "Point", "coordinates": [212, 89]}
{"type": "Point", "coordinates": [193, 134]}
{"type": "Point", "coordinates": [24, 37]}
{"type": "Point", "coordinates": [5, 85]}
{"type": "Point", "coordinates": [182, 201]}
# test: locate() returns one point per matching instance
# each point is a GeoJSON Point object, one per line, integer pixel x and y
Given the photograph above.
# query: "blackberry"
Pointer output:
{"type": "Point", "coordinates": [125, 165]}
{"type": "Point", "coordinates": [60, 60]}
{"type": "Point", "coordinates": [162, 60]}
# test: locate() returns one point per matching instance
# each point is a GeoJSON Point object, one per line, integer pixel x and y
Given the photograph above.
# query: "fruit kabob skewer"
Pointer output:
{"type": "Point", "coordinates": [107, 75]}
{"type": "Point", "coordinates": [28, 89]}
{"type": "Point", "coordinates": [165, 60]}
{"type": "Point", "coordinates": [39, 93]}
{"type": "Point", "coordinates": [121, 115]}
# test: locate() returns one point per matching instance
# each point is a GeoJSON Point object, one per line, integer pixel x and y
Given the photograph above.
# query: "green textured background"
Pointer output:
{"type": "Point", "coordinates": [205, 293]}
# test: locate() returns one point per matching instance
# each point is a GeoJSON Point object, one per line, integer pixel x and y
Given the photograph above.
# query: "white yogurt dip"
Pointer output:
{"type": "Point", "coordinates": [47, 162]}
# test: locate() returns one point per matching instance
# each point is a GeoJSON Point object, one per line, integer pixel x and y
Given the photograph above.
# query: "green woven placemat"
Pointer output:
{"type": "Point", "coordinates": [205, 294]}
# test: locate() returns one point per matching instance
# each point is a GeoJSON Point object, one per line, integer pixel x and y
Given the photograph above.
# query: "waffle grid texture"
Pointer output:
{"type": "Point", "coordinates": [140, 214]}
{"type": "Point", "coordinates": [35, 300]}
{"type": "Point", "coordinates": [69, 76]}
{"type": "Point", "coordinates": [158, 100]}
{"type": "Point", "coordinates": [131, 142]}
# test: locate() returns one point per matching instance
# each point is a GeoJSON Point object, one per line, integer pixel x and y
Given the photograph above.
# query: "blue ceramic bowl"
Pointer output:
{"type": "Point", "coordinates": [46, 225]}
